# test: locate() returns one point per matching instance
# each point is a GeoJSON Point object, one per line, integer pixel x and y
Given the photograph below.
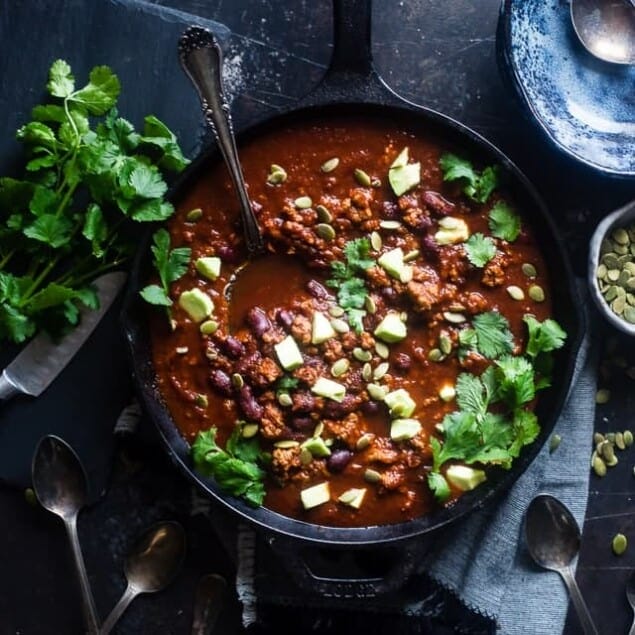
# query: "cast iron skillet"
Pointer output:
{"type": "Point", "coordinates": [351, 86]}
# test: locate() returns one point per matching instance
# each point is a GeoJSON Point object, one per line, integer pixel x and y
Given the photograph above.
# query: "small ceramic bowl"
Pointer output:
{"type": "Point", "coordinates": [625, 218]}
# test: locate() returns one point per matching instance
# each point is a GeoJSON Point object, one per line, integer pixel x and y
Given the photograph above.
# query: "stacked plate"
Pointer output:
{"type": "Point", "coordinates": [585, 106]}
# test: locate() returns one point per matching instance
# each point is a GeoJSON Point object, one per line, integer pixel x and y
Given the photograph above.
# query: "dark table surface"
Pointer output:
{"type": "Point", "coordinates": [437, 53]}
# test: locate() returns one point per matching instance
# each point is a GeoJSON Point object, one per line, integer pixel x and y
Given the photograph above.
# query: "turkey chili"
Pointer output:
{"type": "Point", "coordinates": [383, 354]}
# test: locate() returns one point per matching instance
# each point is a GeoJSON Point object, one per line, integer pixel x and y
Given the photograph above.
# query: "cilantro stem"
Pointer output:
{"type": "Point", "coordinates": [38, 280]}
{"type": "Point", "coordinates": [6, 258]}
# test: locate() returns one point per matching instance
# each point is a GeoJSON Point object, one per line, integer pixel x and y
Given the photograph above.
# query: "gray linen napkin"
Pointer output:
{"type": "Point", "coordinates": [483, 559]}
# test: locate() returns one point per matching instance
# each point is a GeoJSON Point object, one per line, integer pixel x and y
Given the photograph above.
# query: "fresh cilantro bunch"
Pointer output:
{"type": "Point", "coordinates": [476, 185]}
{"type": "Point", "coordinates": [236, 469]}
{"type": "Point", "coordinates": [70, 217]}
{"type": "Point", "coordinates": [349, 281]}
{"type": "Point", "coordinates": [476, 433]}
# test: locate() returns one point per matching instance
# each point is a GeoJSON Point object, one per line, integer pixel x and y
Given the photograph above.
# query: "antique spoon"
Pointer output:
{"type": "Point", "coordinates": [151, 565]}
{"type": "Point", "coordinates": [553, 540]}
{"type": "Point", "coordinates": [59, 482]}
{"type": "Point", "coordinates": [210, 598]}
{"type": "Point", "coordinates": [202, 60]}
{"type": "Point", "coordinates": [606, 28]}
{"type": "Point", "coordinates": [630, 594]}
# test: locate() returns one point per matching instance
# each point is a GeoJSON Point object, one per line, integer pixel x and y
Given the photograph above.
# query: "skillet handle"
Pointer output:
{"type": "Point", "coordinates": [352, 48]}
{"type": "Point", "coordinates": [299, 560]}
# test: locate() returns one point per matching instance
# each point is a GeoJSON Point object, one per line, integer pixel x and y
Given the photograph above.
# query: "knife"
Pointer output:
{"type": "Point", "coordinates": [42, 359]}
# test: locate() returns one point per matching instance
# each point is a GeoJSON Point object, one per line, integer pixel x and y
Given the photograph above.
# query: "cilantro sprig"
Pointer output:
{"type": "Point", "coordinates": [476, 185]}
{"type": "Point", "coordinates": [504, 223]}
{"type": "Point", "coordinates": [69, 218]}
{"type": "Point", "coordinates": [476, 433]}
{"type": "Point", "coordinates": [490, 336]}
{"type": "Point", "coordinates": [351, 287]}
{"type": "Point", "coordinates": [236, 468]}
{"type": "Point", "coordinates": [480, 249]}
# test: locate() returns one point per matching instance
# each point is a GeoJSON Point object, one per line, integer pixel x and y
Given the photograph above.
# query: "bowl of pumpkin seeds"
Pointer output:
{"type": "Point", "coordinates": [612, 268]}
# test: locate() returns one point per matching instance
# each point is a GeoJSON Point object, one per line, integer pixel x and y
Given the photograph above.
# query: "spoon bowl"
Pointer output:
{"type": "Point", "coordinates": [606, 28]}
{"type": "Point", "coordinates": [60, 485]}
{"type": "Point", "coordinates": [152, 563]}
{"type": "Point", "coordinates": [553, 540]}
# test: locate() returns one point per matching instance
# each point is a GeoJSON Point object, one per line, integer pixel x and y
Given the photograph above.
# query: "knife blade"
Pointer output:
{"type": "Point", "coordinates": [43, 359]}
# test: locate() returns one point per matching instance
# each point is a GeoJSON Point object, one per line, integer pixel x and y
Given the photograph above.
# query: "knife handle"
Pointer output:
{"type": "Point", "coordinates": [7, 388]}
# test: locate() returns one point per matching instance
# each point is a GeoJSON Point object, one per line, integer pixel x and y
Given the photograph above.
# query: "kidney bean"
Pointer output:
{"type": "Point", "coordinates": [247, 361]}
{"type": "Point", "coordinates": [370, 407]}
{"type": "Point", "coordinates": [339, 460]}
{"type": "Point", "coordinates": [247, 402]}
{"type": "Point", "coordinates": [390, 210]}
{"type": "Point", "coordinates": [285, 318]}
{"type": "Point", "coordinates": [430, 247]}
{"type": "Point", "coordinates": [436, 202]}
{"type": "Point", "coordinates": [221, 382]}
{"type": "Point", "coordinates": [303, 424]}
{"type": "Point", "coordinates": [317, 290]}
{"type": "Point", "coordinates": [335, 410]}
{"type": "Point", "coordinates": [258, 321]}
{"type": "Point", "coordinates": [402, 361]}
{"type": "Point", "coordinates": [389, 294]}
{"type": "Point", "coordinates": [303, 401]}
{"type": "Point", "coordinates": [233, 347]}
{"type": "Point", "coordinates": [227, 254]}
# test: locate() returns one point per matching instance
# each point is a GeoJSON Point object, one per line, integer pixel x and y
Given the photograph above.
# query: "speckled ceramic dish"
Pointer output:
{"type": "Point", "coordinates": [585, 106]}
{"type": "Point", "coordinates": [623, 217]}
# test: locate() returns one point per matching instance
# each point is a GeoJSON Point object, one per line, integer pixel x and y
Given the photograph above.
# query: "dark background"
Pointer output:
{"type": "Point", "coordinates": [437, 53]}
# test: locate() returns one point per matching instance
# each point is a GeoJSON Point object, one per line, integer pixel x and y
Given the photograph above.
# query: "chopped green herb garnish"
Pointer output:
{"type": "Point", "coordinates": [236, 469]}
{"type": "Point", "coordinates": [492, 334]}
{"type": "Point", "coordinates": [544, 337]}
{"type": "Point", "coordinates": [504, 223]}
{"type": "Point", "coordinates": [171, 264]}
{"type": "Point", "coordinates": [476, 186]}
{"type": "Point", "coordinates": [351, 287]}
{"type": "Point", "coordinates": [479, 249]}
{"type": "Point", "coordinates": [68, 219]}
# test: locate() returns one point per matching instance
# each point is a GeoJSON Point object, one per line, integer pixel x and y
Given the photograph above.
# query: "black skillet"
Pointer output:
{"type": "Point", "coordinates": [352, 87]}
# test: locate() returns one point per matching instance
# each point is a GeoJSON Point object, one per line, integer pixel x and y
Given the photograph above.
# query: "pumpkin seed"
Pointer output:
{"type": "Point", "coordinates": [554, 442]}
{"type": "Point", "coordinates": [605, 246]}
{"type": "Point", "coordinates": [610, 261]}
{"type": "Point", "coordinates": [381, 370]}
{"type": "Point", "coordinates": [411, 255]}
{"type": "Point", "coordinates": [237, 380]}
{"type": "Point", "coordinates": [277, 175]}
{"type": "Point", "coordinates": [529, 270]}
{"type": "Point", "coordinates": [367, 372]}
{"type": "Point", "coordinates": [375, 241]}
{"type": "Point", "coordinates": [629, 314]}
{"type": "Point", "coordinates": [375, 182]}
{"type": "Point", "coordinates": [284, 399]}
{"type": "Point", "coordinates": [249, 430]}
{"type": "Point", "coordinates": [208, 327]}
{"type": "Point", "coordinates": [601, 271]}
{"type": "Point", "coordinates": [336, 311]}
{"type": "Point", "coordinates": [194, 215]}
{"type": "Point", "coordinates": [286, 444]}
{"type": "Point", "coordinates": [598, 437]}
{"type": "Point", "coordinates": [628, 438]}
{"type": "Point", "coordinates": [30, 497]}
{"type": "Point", "coordinates": [325, 231]}
{"type": "Point", "coordinates": [324, 216]}
{"type": "Point", "coordinates": [610, 436]}
{"type": "Point", "coordinates": [453, 318]}
{"type": "Point", "coordinates": [364, 441]}
{"type": "Point", "coordinates": [303, 202]}
{"type": "Point", "coordinates": [370, 305]}
{"type": "Point", "coordinates": [608, 452]}
{"type": "Point", "coordinates": [361, 355]}
{"type": "Point", "coordinates": [376, 391]}
{"type": "Point", "coordinates": [536, 293]}
{"type": "Point", "coordinates": [611, 293]}
{"type": "Point", "coordinates": [445, 344]}
{"type": "Point", "coordinates": [613, 275]}
{"type": "Point", "coordinates": [339, 325]}
{"type": "Point", "coordinates": [515, 293]}
{"type": "Point", "coordinates": [602, 396]}
{"type": "Point", "coordinates": [362, 178]}
{"type": "Point", "coordinates": [319, 428]}
{"type": "Point", "coordinates": [181, 350]}
{"type": "Point", "coordinates": [390, 224]}
{"type": "Point", "coordinates": [619, 440]}
{"type": "Point", "coordinates": [599, 467]}
{"type": "Point", "coordinates": [201, 400]}
{"type": "Point", "coordinates": [382, 350]}
{"type": "Point", "coordinates": [340, 367]}
{"type": "Point", "coordinates": [330, 165]}
{"type": "Point", "coordinates": [372, 476]}
{"type": "Point", "coordinates": [619, 544]}
{"type": "Point", "coordinates": [621, 250]}
{"type": "Point", "coordinates": [305, 456]}
{"type": "Point", "coordinates": [620, 236]}
{"type": "Point", "coordinates": [435, 355]}
{"type": "Point", "coordinates": [447, 393]}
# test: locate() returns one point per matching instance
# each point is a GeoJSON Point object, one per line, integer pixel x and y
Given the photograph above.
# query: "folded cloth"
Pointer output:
{"type": "Point", "coordinates": [479, 567]}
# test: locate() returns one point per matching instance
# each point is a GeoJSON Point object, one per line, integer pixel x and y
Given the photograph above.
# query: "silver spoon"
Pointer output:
{"type": "Point", "coordinates": [151, 565]}
{"type": "Point", "coordinates": [630, 594]}
{"type": "Point", "coordinates": [210, 598]}
{"type": "Point", "coordinates": [606, 28]}
{"type": "Point", "coordinates": [59, 482]}
{"type": "Point", "coordinates": [553, 540]}
{"type": "Point", "coordinates": [202, 60]}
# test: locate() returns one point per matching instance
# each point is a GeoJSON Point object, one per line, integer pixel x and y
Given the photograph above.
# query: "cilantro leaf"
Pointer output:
{"type": "Point", "coordinates": [492, 334]}
{"type": "Point", "coordinates": [61, 81]}
{"type": "Point", "coordinates": [357, 254]}
{"type": "Point", "coordinates": [438, 485]}
{"type": "Point", "coordinates": [471, 395]}
{"type": "Point", "coordinates": [51, 295]}
{"type": "Point", "coordinates": [235, 469]}
{"type": "Point", "coordinates": [154, 294]}
{"type": "Point", "coordinates": [147, 182]}
{"type": "Point", "coordinates": [157, 134]}
{"type": "Point", "coordinates": [544, 337]}
{"type": "Point", "coordinates": [152, 210]}
{"type": "Point", "coordinates": [504, 223]}
{"type": "Point", "coordinates": [515, 381]}
{"type": "Point", "coordinates": [101, 92]}
{"type": "Point", "coordinates": [95, 228]}
{"type": "Point", "coordinates": [51, 230]}
{"type": "Point", "coordinates": [526, 429]}
{"type": "Point", "coordinates": [480, 249]}
{"type": "Point", "coordinates": [476, 186]}
{"type": "Point", "coordinates": [14, 324]}
{"type": "Point", "coordinates": [286, 383]}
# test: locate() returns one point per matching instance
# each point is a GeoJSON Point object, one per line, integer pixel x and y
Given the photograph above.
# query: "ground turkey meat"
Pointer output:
{"type": "Point", "coordinates": [346, 430]}
{"type": "Point", "coordinates": [494, 271]}
{"type": "Point", "coordinates": [382, 451]}
{"type": "Point", "coordinates": [263, 372]}
{"type": "Point", "coordinates": [272, 423]}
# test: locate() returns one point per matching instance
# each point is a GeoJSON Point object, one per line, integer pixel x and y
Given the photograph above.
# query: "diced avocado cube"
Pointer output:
{"type": "Point", "coordinates": [392, 262]}
{"type": "Point", "coordinates": [288, 353]}
{"type": "Point", "coordinates": [197, 304]}
{"type": "Point", "coordinates": [328, 388]}
{"type": "Point", "coordinates": [208, 267]}
{"type": "Point", "coordinates": [404, 177]}
{"type": "Point", "coordinates": [391, 329]}
{"type": "Point", "coordinates": [353, 497]}
{"type": "Point", "coordinates": [316, 495]}
{"type": "Point", "coordinates": [404, 429]}
{"type": "Point", "coordinates": [401, 160]}
{"type": "Point", "coordinates": [321, 329]}
{"type": "Point", "coordinates": [452, 231]}
{"type": "Point", "coordinates": [465, 477]}
{"type": "Point", "coordinates": [317, 447]}
{"type": "Point", "coordinates": [400, 403]}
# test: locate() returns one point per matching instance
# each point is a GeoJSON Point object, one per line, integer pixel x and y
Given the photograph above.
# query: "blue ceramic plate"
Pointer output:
{"type": "Point", "coordinates": [585, 106]}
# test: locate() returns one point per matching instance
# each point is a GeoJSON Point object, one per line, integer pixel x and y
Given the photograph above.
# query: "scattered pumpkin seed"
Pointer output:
{"type": "Point", "coordinates": [364, 441]}
{"type": "Point", "coordinates": [390, 224]}
{"type": "Point", "coordinates": [376, 391]}
{"type": "Point", "coordinates": [285, 400]}
{"type": "Point", "coordinates": [435, 355]}
{"type": "Point", "coordinates": [515, 293]}
{"type": "Point", "coordinates": [370, 304]}
{"type": "Point", "coordinates": [629, 314]}
{"type": "Point", "coordinates": [375, 241]}
{"type": "Point", "coordinates": [610, 436]}
{"type": "Point", "coordinates": [619, 440]}
{"type": "Point", "coordinates": [620, 236]}
{"type": "Point", "coordinates": [382, 350]}
{"type": "Point", "coordinates": [362, 178]}
{"type": "Point", "coordinates": [325, 231]}
{"type": "Point", "coordinates": [208, 327]}
{"type": "Point", "coordinates": [602, 396]}
{"type": "Point", "coordinates": [619, 544]}
{"type": "Point", "coordinates": [319, 428]}
{"type": "Point", "coordinates": [367, 372]}
{"type": "Point", "coordinates": [529, 270]}
{"type": "Point", "coordinates": [536, 293]}
{"type": "Point", "coordinates": [330, 165]}
{"type": "Point", "coordinates": [286, 444]}
{"type": "Point", "coordinates": [303, 202]}
{"type": "Point", "coordinates": [445, 344]}
{"type": "Point", "coordinates": [30, 497]}
{"type": "Point", "coordinates": [381, 370]}
{"type": "Point", "coordinates": [277, 175]}
{"type": "Point", "coordinates": [201, 400]}
{"type": "Point", "coordinates": [181, 350]}
{"type": "Point", "coordinates": [613, 462]}
{"type": "Point", "coordinates": [607, 451]}
{"type": "Point", "coordinates": [340, 367]}
{"type": "Point", "coordinates": [336, 311]}
{"type": "Point", "coordinates": [194, 215]}
{"type": "Point", "coordinates": [237, 380]}
{"type": "Point", "coordinates": [554, 442]}
{"type": "Point", "coordinates": [599, 467]}
{"type": "Point", "coordinates": [598, 437]}
{"type": "Point", "coordinates": [361, 355]}
{"type": "Point", "coordinates": [372, 476]}
{"type": "Point", "coordinates": [411, 255]}
{"type": "Point", "coordinates": [324, 216]}
{"type": "Point", "coordinates": [453, 318]}
{"type": "Point", "coordinates": [305, 456]}
{"type": "Point", "coordinates": [628, 438]}
{"type": "Point", "coordinates": [249, 430]}
{"type": "Point", "coordinates": [339, 325]}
